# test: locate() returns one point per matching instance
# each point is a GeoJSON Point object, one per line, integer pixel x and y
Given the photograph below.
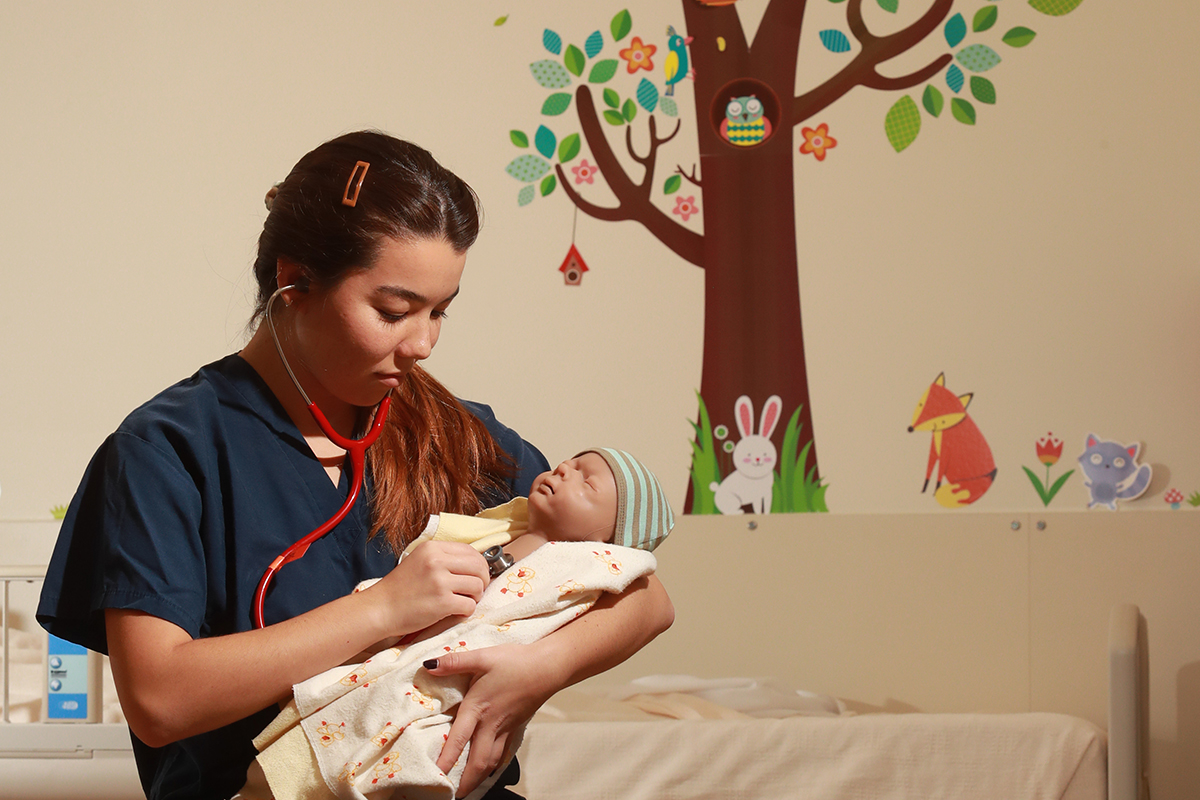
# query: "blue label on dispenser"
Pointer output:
{"type": "Point", "coordinates": [66, 680]}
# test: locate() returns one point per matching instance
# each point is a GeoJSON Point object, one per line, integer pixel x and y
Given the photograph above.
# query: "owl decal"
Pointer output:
{"type": "Point", "coordinates": [744, 123]}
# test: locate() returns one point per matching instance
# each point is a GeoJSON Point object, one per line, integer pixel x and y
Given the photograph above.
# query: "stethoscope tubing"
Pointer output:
{"type": "Point", "coordinates": [355, 448]}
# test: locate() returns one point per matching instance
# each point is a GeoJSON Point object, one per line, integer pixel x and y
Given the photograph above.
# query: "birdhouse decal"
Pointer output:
{"type": "Point", "coordinates": [573, 267]}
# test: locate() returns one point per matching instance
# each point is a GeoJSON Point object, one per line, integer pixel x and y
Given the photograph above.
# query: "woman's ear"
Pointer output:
{"type": "Point", "coordinates": [289, 273]}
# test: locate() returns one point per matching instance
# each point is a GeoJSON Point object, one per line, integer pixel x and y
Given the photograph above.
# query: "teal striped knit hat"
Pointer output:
{"type": "Point", "coordinates": [644, 517]}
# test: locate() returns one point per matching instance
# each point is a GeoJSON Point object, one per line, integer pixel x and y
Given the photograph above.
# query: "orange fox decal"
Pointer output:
{"type": "Point", "coordinates": [958, 448]}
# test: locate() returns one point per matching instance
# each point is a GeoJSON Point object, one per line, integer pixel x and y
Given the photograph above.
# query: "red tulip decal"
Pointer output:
{"type": "Point", "coordinates": [1049, 451]}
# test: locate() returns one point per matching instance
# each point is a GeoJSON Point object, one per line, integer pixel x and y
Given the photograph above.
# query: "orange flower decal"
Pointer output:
{"type": "Point", "coordinates": [817, 141]}
{"type": "Point", "coordinates": [637, 55]}
{"type": "Point", "coordinates": [1049, 450]}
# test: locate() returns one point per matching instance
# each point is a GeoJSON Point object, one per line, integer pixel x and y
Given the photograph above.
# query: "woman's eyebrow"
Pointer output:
{"type": "Point", "coordinates": [402, 293]}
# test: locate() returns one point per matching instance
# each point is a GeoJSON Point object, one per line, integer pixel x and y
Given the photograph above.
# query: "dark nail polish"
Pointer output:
{"type": "Point", "coordinates": [430, 663]}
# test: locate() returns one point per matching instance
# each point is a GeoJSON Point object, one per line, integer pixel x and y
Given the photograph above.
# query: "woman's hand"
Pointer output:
{"type": "Point", "coordinates": [508, 685]}
{"type": "Point", "coordinates": [434, 581]}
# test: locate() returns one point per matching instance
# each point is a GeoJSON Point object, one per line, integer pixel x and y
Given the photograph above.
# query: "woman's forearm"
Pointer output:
{"type": "Point", "coordinates": [612, 631]}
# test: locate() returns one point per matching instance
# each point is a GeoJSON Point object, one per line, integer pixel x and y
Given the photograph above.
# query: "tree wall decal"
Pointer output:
{"type": "Point", "coordinates": [742, 179]}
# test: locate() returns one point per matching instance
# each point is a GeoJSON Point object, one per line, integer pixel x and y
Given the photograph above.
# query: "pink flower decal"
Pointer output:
{"type": "Point", "coordinates": [685, 206]}
{"type": "Point", "coordinates": [585, 172]}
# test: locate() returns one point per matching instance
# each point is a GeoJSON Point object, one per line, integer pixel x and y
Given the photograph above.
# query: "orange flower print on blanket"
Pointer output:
{"type": "Point", "coordinates": [357, 678]}
{"type": "Point", "coordinates": [385, 737]}
{"type": "Point", "coordinates": [386, 767]}
{"type": "Point", "coordinates": [457, 648]}
{"type": "Point", "coordinates": [607, 559]}
{"type": "Point", "coordinates": [570, 587]}
{"type": "Point", "coordinates": [330, 733]}
{"type": "Point", "coordinates": [421, 699]}
{"type": "Point", "coordinates": [350, 771]}
{"type": "Point", "coordinates": [520, 582]}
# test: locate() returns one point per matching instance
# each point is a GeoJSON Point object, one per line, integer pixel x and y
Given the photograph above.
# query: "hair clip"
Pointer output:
{"type": "Point", "coordinates": [360, 170]}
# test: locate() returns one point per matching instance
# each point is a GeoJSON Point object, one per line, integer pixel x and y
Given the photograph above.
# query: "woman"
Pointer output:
{"type": "Point", "coordinates": [182, 508]}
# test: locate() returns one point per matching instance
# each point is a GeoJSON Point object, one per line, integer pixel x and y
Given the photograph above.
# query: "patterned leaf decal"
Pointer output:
{"type": "Point", "coordinates": [545, 141]}
{"type": "Point", "coordinates": [550, 74]}
{"type": "Point", "coordinates": [629, 111]}
{"type": "Point", "coordinates": [527, 168]}
{"type": "Point", "coordinates": [1019, 37]}
{"type": "Point", "coordinates": [954, 79]}
{"type": "Point", "coordinates": [568, 148]}
{"type": "Point", "coordinates": [603, 71]}
{"type": "Point", "coordinates": [548, 184]}
{"type": "Point", "coordinates": [552, 41]}
{"type": "Point", "coordinates": [889, 5]}
{"type": "Point", "coordinates": [955, 30]}
{"type": "Point", "coordinates": [835, 41]}
{"type": "Point", "coordinates": [611, 98]}
{"type": "Point", "coordinates": [1055, 8]}
{"type": "Point", "coordinates": [903, 123]}
{"type": "Point", "coordinates": [575, 60]}
{"type": "Point", "coordinates": [519, 138]}
{"type": "Point", "coordinates": [963, 111]}
{"type": "Point", "coordinates": [984, 18]}
{"type": "Point", "coordinates": [672, 185]}
{"type": "Point", "coordinates": [525, 196]}
{"type": "Point", "coordinates": [978, 57]}
{"type": "Point", "coordinates": [621, 24]}
{"type": "Point", "coordinates": [614, 117]}
{"type": "Point", "coordinates": [667, 106]}
{"type": "Point", "coordinates": [556, 104]}
{"type": "Point", "coordinates": [594, 44]}
{"type": "Point", "coordinates": [647, 96]}
{"type": "Point", "coordinates": [983, 89]}
{"type": "Point", "coordinates": [933, 101]}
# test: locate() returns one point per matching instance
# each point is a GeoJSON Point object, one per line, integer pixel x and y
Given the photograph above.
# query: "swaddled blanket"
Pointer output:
{"type": "Point", "coordinates": [378, 727]}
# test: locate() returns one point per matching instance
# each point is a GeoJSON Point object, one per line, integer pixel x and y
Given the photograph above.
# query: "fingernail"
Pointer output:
{"type": "Point", "coordinates": [430, 663]}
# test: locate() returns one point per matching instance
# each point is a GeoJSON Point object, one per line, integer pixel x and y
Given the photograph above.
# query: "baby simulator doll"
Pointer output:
{"type": "Point", "coordinates": [380, 725]}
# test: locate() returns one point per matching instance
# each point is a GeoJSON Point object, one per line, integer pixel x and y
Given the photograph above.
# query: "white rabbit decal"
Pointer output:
{"type": "Point", "coordinates": [754, 457]}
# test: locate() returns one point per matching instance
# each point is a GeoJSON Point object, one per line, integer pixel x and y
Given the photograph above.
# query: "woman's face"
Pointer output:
{"type": "Point", "coordinates": [358, 339]}
{"type": "Point", "coordinates": [576, 501]}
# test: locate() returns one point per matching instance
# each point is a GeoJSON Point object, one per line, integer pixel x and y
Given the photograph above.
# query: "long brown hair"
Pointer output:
{"type": "Point", "coordinates": [433, 455]}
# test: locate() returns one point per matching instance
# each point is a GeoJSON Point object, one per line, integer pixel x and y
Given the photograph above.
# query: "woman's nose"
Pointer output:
{"type": "Point", "coordinates": [418, 343]}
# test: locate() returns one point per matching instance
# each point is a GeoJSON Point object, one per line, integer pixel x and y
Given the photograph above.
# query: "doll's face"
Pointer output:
{"type": "Point", "coordinates": [576, 501]}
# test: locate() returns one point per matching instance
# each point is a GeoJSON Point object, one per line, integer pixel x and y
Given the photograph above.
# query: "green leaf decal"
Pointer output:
{"type": "Point", "coordinates": [1019, 37]}
{"type": "Point", "coordinates": [955, 30]}
{"type": "Point", "coordinates": [672, 185]}
{"type": "Point", "coordinates": [889, 5]}
{"type": "Point", "coordinates": [548, 184]}
{"type": "Point", "coordinates": [985, 18]}
{"type": "Point", "coordinates": [933, 101]}
{"type": "Point", "coordinates": [545, 141]}
{"type": "Point", "coordinates": [602, 71]}
{"type": "Point", "coordinates": [621, 25]}
{"type": "Point", "coordinates": [629, 110]}
{"type": "Point", "coordinates": [526, 195]}
{"type": "Point", "coordinates": [647, 96]}
{"type": "Point", "coordinates": [556, 104]}
{"type": "Point", "coordinates": [963, 111]}
{"type": "Point", "coordinates": [983, 89]}
{"type": "Point", "coordinates": [568, 148]}
{"type": "Point", "coordinates": [978, 57]}
{"type": "Point", "coordinates": [667, 106]}
{"type": "Point", "coordinates": [903, 123]}
{"type": "Point", "coordinates": [527, 168]}
{"type": "Point", "coordinates": [519, 138]}
{"type": "Point", "coordinates": [1055, 8]}
{"type": "Point", "coordinates": [611, 98]}
{"type": "Point", "coordinates": [575, 60]}
{"type": "Point", "coordinates": [500, 20]}
{"type": "Point", "coordinates": [614, 117]}
{"type": "Point", "coordinates": [550, 74]}
{"type": "Point", "coordinates": [552, 41]}
{"type": "Point", "coordinates": [594, 44]}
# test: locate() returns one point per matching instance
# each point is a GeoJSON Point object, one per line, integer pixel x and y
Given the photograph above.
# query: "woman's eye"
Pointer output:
{"type": "Point", "coordinates": [388, 316]}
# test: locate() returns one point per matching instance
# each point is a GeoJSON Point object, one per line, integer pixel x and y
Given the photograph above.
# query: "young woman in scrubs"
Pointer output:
{"type": "Point", "coordinates": [187, 503]}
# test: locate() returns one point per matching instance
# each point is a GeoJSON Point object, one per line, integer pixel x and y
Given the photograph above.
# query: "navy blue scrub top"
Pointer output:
{"type": "Point", "coordinates": [178, 515]}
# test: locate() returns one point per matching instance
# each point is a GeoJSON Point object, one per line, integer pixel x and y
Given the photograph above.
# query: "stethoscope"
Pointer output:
{"type": "Point", "coordinates": [356, 448]}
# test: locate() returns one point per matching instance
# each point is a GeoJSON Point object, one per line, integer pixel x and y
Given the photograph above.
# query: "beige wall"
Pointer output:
{"type": "Point", "coordinates": [1045, 259]}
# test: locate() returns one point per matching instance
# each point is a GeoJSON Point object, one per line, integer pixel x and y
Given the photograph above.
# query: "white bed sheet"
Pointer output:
{"type": "Point", "coordinates": [1034, 756]}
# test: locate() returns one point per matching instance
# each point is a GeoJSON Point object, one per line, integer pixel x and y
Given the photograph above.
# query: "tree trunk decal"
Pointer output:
{"type": "Point", "coordinates": [754, 353]}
